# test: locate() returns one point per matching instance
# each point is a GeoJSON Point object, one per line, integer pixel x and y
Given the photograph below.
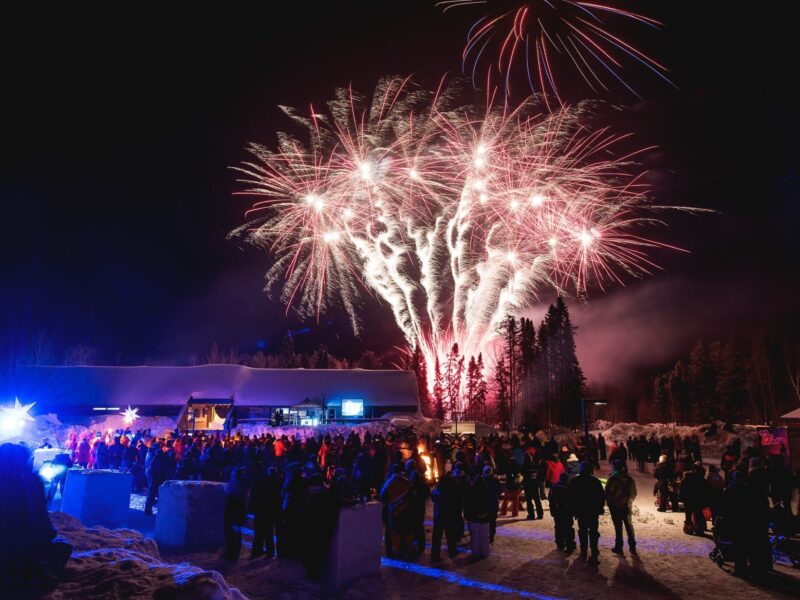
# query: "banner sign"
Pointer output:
{"type": "Point", "coordinates": [774, 440]}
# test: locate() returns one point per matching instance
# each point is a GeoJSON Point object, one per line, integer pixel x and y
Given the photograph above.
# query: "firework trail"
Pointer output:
{"type": "Point", "coordinates": [454, 217]}
{"type": "Point", "coordinates": [534, 36]}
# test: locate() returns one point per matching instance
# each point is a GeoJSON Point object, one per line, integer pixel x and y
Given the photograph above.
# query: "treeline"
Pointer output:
{"type": "Point", "coordinates": [536, 378]}
{"type": "Point", "coordinates": [753, 380]}
{"type": "Point", "coordinates": [39, 350]}
{"type": "Point", "coordinates": [456, 394]}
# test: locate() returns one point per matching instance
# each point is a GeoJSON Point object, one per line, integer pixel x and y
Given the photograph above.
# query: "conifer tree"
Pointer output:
{"type": "Point", "coordinates": [438, 391]}
{"type": "Point", "coordinates": [418, 364]}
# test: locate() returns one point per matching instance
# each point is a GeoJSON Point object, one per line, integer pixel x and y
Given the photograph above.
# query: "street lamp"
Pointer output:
{"type": "Point", "coordinates": [586, 419]}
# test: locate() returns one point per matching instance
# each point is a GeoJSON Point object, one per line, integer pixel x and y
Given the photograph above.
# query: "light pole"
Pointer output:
{"type": "Point", "coordinates": [586, 420]}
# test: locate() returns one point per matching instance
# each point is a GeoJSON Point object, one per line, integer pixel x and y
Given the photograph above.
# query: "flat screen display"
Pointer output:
{"type": "Point", "coordinates": [352, 408]}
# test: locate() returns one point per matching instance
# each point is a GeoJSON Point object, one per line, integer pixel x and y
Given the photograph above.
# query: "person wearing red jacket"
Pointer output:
{"type": "Point", "coordinates": [554, 470]}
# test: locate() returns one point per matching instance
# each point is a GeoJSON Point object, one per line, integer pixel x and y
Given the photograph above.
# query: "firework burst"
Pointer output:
{"type": "Point", "coordinates": [534, 36]}
{"type": "Point", "coordinates": [454, 217]}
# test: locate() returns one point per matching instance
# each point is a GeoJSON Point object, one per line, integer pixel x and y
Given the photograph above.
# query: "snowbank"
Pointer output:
{"type": "Point", "coordinates": [711, 447]}
{"type": "Point", "coordinates": [121, 563]}
{"type": "Point", "coordinates": [57, 433]}
{"type": "Point", "coordinates": [395, 420]}
{"type": "Point", "coordinates": [158, 426]}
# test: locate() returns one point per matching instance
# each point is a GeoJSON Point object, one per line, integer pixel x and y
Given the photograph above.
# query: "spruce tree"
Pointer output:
{"type": "Point", "coordinates": [454, 371]}
{"type": "Point", "coordinates": [481, 391]}
{"type": "Point", "coordinates": [501, 393]}
{"type": "Point", "coordinates": [471, 388]}
{"type": "Point", "coordinates": [438, 391]}
{"type": "Point", "coordinates": [419, 366]}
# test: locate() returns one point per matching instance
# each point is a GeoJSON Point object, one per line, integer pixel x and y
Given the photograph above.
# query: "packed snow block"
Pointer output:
{"type": "Point", "coordinates": [355, 549]}
{"type": "Point", "coordinates": [97, 496]}
{"type": "Point", "coordinates": [42, 455]}
{"type": "Point", "coordinates": [190, 515]}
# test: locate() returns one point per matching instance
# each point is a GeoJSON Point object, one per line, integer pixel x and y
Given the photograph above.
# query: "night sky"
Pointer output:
{"type": "Point", "coordinates": [119, 128]}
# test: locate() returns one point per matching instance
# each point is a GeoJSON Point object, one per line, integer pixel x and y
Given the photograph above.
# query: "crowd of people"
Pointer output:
{"type": "Point", "coordinates": [294, 487]}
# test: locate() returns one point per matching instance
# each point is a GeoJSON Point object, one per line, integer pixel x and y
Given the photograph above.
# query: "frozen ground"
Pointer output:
{"type": "Point", "coordinates": [525, 564]}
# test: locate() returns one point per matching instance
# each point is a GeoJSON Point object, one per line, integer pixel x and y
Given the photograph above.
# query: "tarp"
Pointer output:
{"type": "Point", "coordinates": [795, 414]}
{"type": "Point", "coordinates": [83, 386]}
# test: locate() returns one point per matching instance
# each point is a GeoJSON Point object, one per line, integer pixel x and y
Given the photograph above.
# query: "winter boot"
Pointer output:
{"type": "Point", "coordinates": [594, 558]}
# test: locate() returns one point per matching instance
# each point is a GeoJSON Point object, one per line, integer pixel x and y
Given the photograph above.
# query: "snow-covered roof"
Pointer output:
{"type": "Point", "coordinates": [795, 414]}
{"type": "Point", "coordinates": [172, 386]}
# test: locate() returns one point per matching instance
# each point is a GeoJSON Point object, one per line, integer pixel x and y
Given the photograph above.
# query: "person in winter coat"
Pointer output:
{"type": "Point", "coordinates": [234, 514]}
{"type": "Point", "coordinates": [715, 486]}
{"type": "Point", "coordinates": [419, 499]}
{"type": "Point", "coordinates": [665, 484]}
{"type": "Point", "coordinates": [30, 553]}
{"type": "Point", "coordinates": [620, 494]}
{"type": "Point", "coordinates": [653, 450]}
{"type": "Point", "coordinates": [694, 495]}
{"type": "Point", "coordinates": [363, 470]}
{"type": "Point", "coordinates": [477, 511]}
{"type": "Point", "coordinates": [83, 453]}
{"type": "Point", "coordinates": [512, 490]}
{"type": "Point", "coordinates": [601, 446]}
{"type": "Point", "coordinates": [757, 527]}
{"type": "Point", "coordinates": [561, 511]}
{"type": "Point", "coordinates": [553, 470]}
{"type": "Point", "coordinates": [447, 516]}
{"type": "Point", "coordinates": [320, 516]}
{"type": "Point", "coordinates": [746, 526]}
{"type": "Point", "coordinates": [397, 495]}
{"type": "Point", "coordinates": [619, 453]}
{"type": "Point", "coordinates": [265, 504]}
{"type": "Point", "coordinates": [160, 468]}
{"type": "Point", "coordinates": [587, 499]}
{"type": "Point", "coordinates": [532, 473]}
{"type": "Point", "coordinates": [573, 465]}
{"type": "Point", "coordinates": [293, 504]}
{"type": "Point", "coordinates": [493, 483]}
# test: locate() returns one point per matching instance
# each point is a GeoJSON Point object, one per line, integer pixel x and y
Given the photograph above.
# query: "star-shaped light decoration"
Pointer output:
{"type": "Point", "coordinates": [130, 415]}
{"type": "Point", "coordinates": [14, 418]}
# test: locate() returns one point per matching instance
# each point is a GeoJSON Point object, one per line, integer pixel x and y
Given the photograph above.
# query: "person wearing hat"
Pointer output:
{"type": "Point", "coordinates": [620, 494]}
{"type": "Point", "coordinates": [665, 484]}
{"type": "Point", "coordinates": [573, 466]}
{"type": "Point", "coordinates": [694, 495]}
{"type": "Point", "coordinates": [587, 499]}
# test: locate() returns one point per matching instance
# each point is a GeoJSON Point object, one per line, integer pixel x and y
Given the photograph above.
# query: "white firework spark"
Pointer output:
{"type": "Point", "coordinates": [452, 216]}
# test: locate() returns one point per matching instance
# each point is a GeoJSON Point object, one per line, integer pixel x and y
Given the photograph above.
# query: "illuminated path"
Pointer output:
{"type": "Point", "coordinates": [457, 579]}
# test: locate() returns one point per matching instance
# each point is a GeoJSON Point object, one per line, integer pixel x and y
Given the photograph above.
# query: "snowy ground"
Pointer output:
{"type": "Point", "coordinates": [524, 564]}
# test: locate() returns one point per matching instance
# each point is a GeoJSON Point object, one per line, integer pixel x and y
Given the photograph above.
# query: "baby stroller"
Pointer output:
{"type": "Point", "coordinates": [785, 540]}
{"type": "Point", "coordinates": [723, 544]}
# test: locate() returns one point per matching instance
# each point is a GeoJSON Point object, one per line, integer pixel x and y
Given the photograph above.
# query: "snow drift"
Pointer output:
{"type": "Point", "coordinates": [121, 563]}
